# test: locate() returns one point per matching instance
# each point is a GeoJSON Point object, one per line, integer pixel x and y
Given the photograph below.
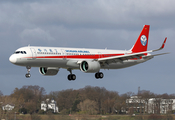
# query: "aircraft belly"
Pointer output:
{"type": "Point", "coordinates": [67, 63]}
{"type": "Point", "coordinates": [72, 64]}
{"type": "Point", "coordinates": [125, 64]}
{"type": "Point", "coordinates": [50, 62]}
{"type": "Point", "coordinates": [43, 62]}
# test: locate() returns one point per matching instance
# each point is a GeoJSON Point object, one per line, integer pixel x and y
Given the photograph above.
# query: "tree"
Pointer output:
{"type": "Point", "coordinates": [120, 103]}
{"type": "Point", "coordinates": [96, 94]}
{"type": "Point", "coordinates": [31, 107]}
{"type": "Point", "coordinates": [1, 94]}
{"type": "Point", "coordinates": [146, 95]}
{"type": "Point", "coordinates": [28, 95]}
{"type": "Point", "coordinates": [66, 98]}
{"type": "Point", "coordinates": [76, 102]}
{"type": "Point", "coordinates": [88, 106]}
{"type": "Point", "coordinates": [1, 105]}
{"type": "Point", "coordinates": [22, 110]}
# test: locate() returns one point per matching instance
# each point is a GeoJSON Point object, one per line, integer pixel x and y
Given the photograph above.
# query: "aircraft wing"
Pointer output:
{"type": "Point", "coordinates": [128, 56]}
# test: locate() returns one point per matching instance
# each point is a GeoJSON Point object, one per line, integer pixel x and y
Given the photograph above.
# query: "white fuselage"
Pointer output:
{"type": "Point", "coordinates": [68, 58]}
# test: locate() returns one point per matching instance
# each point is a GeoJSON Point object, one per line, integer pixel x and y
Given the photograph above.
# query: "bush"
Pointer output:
{"type": "Point", "coordinates": [64, 112]}
{"type": "Point", "coordinates": [35, 117]}
{"type": "Point", "coordinates": [23, 110]}
{"type": "Point", "coordinates": [41, 112]}
{"type": "Point", "coordinates": [155, 117]}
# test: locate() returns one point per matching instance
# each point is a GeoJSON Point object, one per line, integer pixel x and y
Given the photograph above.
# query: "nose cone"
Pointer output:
{"type": "Point", "coordinates": [12, 59]}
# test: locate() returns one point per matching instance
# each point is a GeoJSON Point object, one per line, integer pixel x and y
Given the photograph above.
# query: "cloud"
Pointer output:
{"type": "Point", "coordinates": [93, 14]}
{"type": "Point", "coordinates": [101, 13]}
{"type": "Point", "coordinates": [35, 35]}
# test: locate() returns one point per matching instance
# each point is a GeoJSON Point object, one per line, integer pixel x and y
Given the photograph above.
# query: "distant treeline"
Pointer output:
{"type": "Point", "coordinates": [88, 100]}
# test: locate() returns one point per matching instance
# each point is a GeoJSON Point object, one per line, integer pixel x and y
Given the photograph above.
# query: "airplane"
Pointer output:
{"type": "Point", "coordinates": [51, 59]}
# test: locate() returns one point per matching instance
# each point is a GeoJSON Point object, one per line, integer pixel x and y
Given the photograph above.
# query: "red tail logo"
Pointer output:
{"type": "Point", "coordinates": [142, 41]}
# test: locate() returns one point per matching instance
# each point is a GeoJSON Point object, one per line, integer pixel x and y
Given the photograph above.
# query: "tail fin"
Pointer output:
{"type": "Point", "coordinates": [142, 41]}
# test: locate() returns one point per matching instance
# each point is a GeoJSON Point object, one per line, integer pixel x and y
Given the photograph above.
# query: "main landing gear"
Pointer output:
{"type": "Point", "coordinates": [71, 76]}
{"type": "Point", "coordinates": [28, 75]}
{"type": "Point", "coordinates": [99, 75]}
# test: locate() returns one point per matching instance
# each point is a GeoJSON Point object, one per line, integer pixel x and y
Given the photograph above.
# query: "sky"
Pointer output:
{"type": "Point", "coordinates": [112, 24]}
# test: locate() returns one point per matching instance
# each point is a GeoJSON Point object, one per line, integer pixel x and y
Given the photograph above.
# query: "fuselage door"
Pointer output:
{"type": "Point", "coordinates": [33, 53]}
{"type": "Point", "coordinates": [100, 55]}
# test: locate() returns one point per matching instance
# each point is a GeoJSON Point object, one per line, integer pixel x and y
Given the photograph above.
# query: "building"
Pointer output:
{"type": "Point", "coordinates": [49, 105]}
{"type": "Point", "coordinates": [159, 105]}
{"type": "Point", "coordinates": [8, 107]}
{"type": "Point", "coordinates": [135, 104]}
{"type": "Point", "coordinates": [151, 105]}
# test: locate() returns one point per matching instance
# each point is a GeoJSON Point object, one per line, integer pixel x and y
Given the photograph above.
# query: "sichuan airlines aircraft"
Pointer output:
{"type": "Point", "coordinates": [51, 59]}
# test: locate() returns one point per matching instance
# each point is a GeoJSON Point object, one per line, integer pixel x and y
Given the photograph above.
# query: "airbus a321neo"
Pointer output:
{"type": "Point", "coordinates": [51, 59]}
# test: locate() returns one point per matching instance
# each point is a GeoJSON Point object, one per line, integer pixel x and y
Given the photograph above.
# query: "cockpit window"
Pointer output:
{"type": "Point", "coordinates": [18, 52]}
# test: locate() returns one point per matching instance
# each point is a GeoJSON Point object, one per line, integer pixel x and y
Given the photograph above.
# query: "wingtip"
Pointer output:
{"type": "Point", "coordinates": [163, 45]}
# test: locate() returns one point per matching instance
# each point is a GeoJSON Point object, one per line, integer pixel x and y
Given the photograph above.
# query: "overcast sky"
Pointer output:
{"type": "Point", "coordinates": [112, 24]}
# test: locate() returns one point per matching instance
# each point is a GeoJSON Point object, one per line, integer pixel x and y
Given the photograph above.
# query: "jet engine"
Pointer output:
{"type": "Point", "coordinates": [90, 66]}
{"type": "Point", "coordinates": [48, 70]}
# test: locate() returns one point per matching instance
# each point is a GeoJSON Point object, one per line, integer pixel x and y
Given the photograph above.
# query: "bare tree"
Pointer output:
{"type": "Point", "coordinates": [157, 103]}
{"type": "Point", "coordinates": [27, 95]}
{"type": "Point", "coordinates": [1, 112]}
{"type": "Point", "coordinates": [88, 106]}
{"type": "Point", "coordinates": [1, 94]}
{"type": "Point", "coordinates": [146, 95]}
{"type": "Point", "coordinates": [119, 104]}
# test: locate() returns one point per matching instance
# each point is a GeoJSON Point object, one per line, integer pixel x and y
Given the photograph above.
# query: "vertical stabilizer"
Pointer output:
{"type": "Point", "coordinates": [142, 41]}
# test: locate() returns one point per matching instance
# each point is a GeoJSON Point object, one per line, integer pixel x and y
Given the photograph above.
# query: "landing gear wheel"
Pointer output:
{"type": "Point", "coordinates": [28, 72]}
{"type": "Point", "coordinates": [71, 77]}
{"type": "Point", "coordinates": [28, 75]}
{"type": "Point", "coordinates": [99, 75]}
{"type": "Point", "coordinates": [96, 75]}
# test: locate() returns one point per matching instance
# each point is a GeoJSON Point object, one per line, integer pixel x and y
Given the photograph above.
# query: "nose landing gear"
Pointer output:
{"type": "Point", "coordinates": [28, 75]}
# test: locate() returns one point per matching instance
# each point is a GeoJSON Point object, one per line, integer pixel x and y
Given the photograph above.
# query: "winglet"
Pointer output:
{"type": "Point", "coordinates": [163, 45]}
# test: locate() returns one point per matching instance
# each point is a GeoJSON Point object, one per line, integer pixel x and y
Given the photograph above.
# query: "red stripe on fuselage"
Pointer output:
{"type": "Point", "coordinates": [80, 56]}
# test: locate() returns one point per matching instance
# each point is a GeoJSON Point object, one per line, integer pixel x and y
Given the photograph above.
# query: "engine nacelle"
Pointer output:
{"type": "Point", "coordinates": [90, 66]}
{"type": "Point", "coordinates": [48, 70]}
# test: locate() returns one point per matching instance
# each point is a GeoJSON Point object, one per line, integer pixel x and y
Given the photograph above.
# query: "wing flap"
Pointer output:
{"type": "Point", "coordinates": [121, 58]}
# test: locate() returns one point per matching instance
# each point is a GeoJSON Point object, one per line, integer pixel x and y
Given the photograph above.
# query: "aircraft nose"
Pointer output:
{"type": "Point", "coordinates": [12, 59]}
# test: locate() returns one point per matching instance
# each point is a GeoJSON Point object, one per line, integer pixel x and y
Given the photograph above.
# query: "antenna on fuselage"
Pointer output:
{"type": "Point", "coordinates": [28, 45]}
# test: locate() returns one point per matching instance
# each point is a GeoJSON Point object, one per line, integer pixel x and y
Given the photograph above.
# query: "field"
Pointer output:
{"type": "Point", "coordinates": [90, 117]}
